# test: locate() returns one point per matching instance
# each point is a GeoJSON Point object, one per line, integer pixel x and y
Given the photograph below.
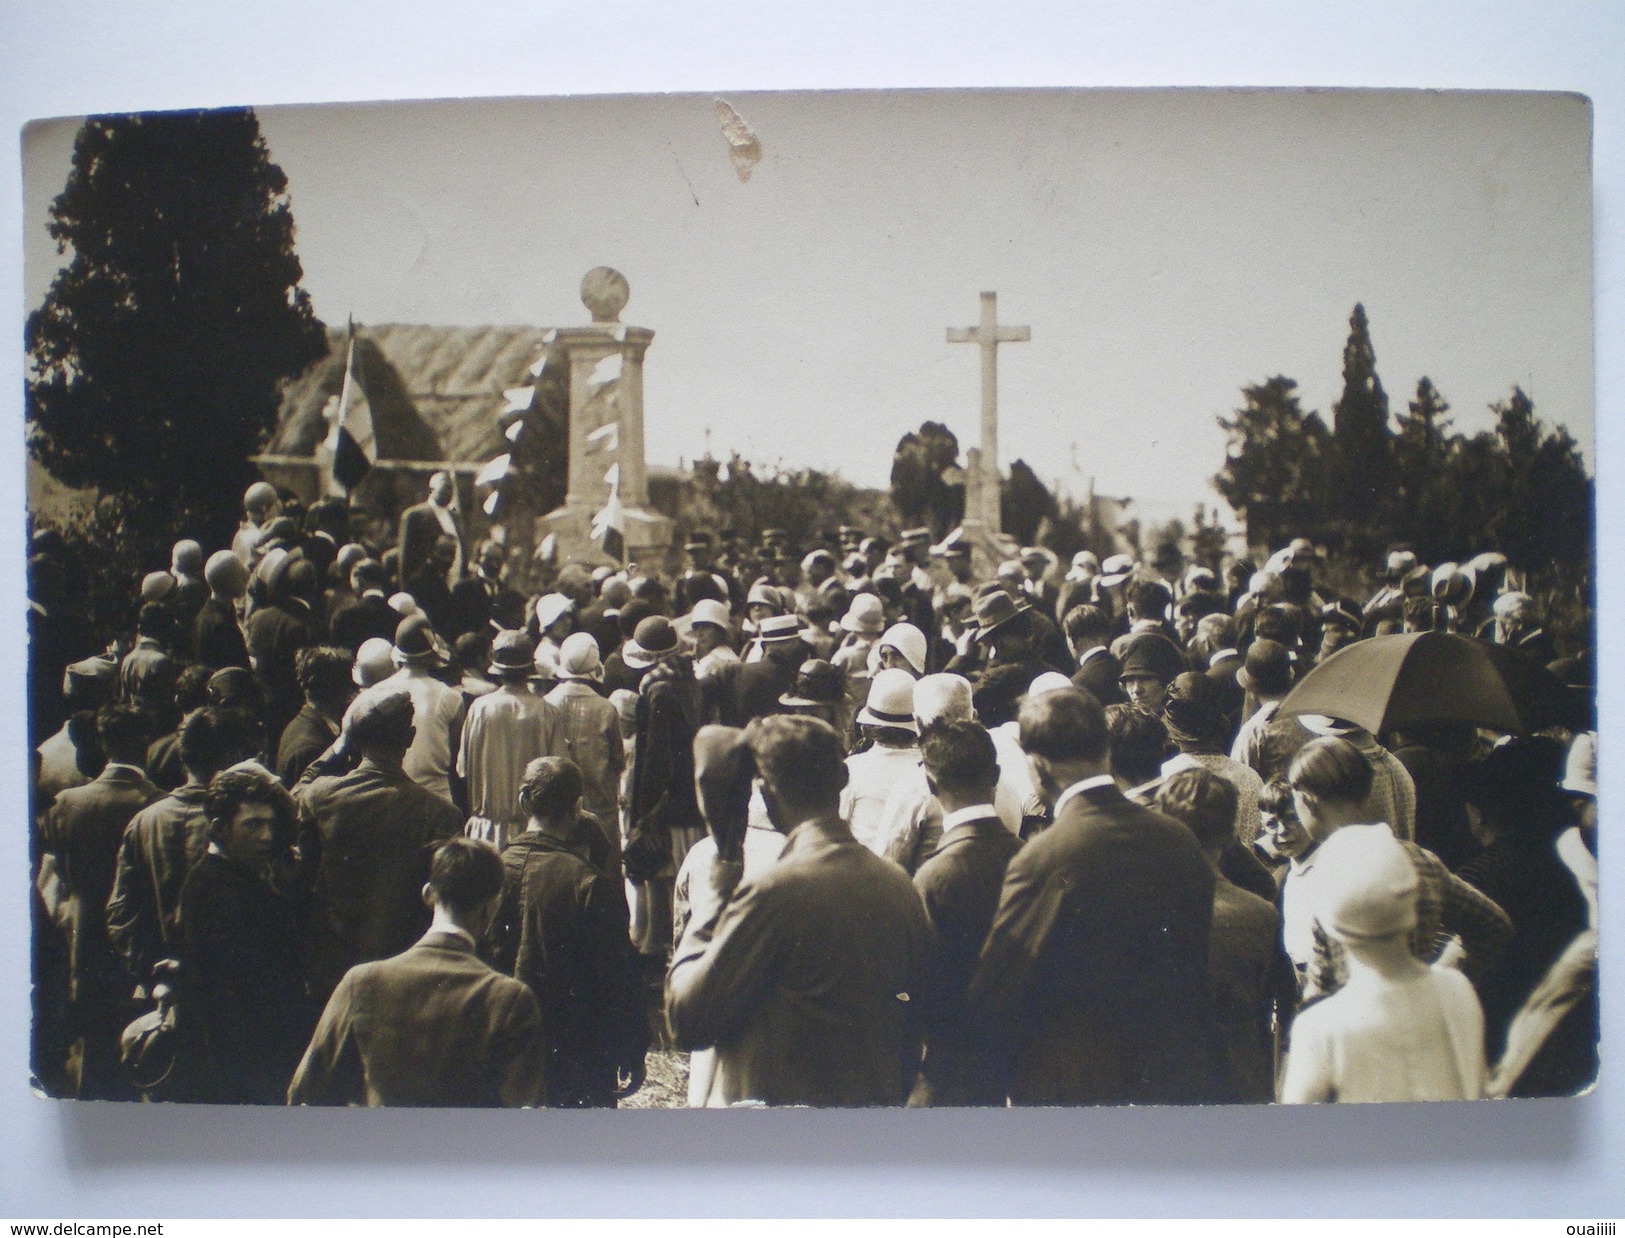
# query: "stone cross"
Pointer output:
{"type": "Point", "coordinates": [983, 495]}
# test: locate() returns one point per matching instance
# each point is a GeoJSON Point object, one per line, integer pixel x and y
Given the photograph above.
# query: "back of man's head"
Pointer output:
{"type": "Point", "coordinates": [1150, 599]}
{"type": "Point", "coordinates": [382, 723]}
{"type": "Point", "coordinates": [960, 759]}
{"type": "Point", "coordinates": [942, 697]}
{"type": "Point", "coordinates": [323, 672]}
{"type": "Point", "coordinates": [124, 732]}
{"type": "Point", "coordinates": [213, 738]}
{"type": "Point", "coordinates": [1087, 626]}
{"type": "Point", "coordinates": [551, 787]}
{"type": "Point", "coordinates": [801, 759]}
{"type": "Point", "coordinates": [1204, 803]}
{"type": "Point", "coordinates": [465, 875]}
{"type": "Point", "coordinates": [368, 574]}
{"type": "Point", "coordinates": [1065, 726]}
{"type": "Point", "coordinates": [1139, 745]}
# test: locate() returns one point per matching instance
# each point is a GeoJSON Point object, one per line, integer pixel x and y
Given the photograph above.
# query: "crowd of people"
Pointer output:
{"type": "Point", "coordinates": [338, 823]}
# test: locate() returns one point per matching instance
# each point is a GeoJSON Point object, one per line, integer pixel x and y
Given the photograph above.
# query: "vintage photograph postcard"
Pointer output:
{"type": "Point", "coordinates": [897, 598]}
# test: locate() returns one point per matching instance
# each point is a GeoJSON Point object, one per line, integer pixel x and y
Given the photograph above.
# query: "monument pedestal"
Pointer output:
{"type": "Point", "coordinates": [606, 433]}
{"type": "Point", "coordinates": [648, 535]}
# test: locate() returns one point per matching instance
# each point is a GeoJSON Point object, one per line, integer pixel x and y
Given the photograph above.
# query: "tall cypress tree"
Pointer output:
{"type": "Point", "coordinates": [160, 350]}
{"type": "Point", "coordinates": [1362, 444]}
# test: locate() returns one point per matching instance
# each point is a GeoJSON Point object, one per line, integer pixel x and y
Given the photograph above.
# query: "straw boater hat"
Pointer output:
{"type": "Point", "coordinates": [1115, 570]}
{"type": "Point", "coordinates": [891, 702]}
{"type": "Point", "coordinates": [1451, 585]}
{"type": "Point", "coordinates": [865, 614]}
{"type": "Point", "coordinates": [777, 629]}
{"type": "Point", "coordinates": [512, 652]}
{"type": "Point", "coordinates": [653, 640]}
{"type": "Point", "coordinates": [915, 537]}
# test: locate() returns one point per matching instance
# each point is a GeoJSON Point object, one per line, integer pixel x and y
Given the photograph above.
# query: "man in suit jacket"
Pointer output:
{"type": "Point", "coordinates": [433, 1025]}
{"type": "Point", "coordinates": [807, 980]}
{"type": "Point", "coordinates": [367, 836]}
{"type": "Point", "coordinates": [367, 614]}
{"type": "Point", "coordinates": [562, 928]}
{"type": "Point", "coordinates": [1089, 631]}
{"type": "Point", "coordinates": [479, 600]}
{"type": "Point", "coordinates": [960, 884]}
{"type": "Point", "coordinates": [423, 524]}
{"type": "Point", "coordinates": [83, 830]}
{"type": "Point", "coordinates": [1094, 977]}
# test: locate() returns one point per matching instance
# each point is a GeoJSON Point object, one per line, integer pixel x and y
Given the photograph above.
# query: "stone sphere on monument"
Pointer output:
{"type": "Point", "coordinates": [604, 291]}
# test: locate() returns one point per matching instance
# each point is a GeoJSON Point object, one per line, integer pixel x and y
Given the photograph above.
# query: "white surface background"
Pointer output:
{"type": "Point", "coordinates": [62, 1161]}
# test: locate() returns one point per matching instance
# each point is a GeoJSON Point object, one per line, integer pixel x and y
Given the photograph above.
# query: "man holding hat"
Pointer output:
{"type": "Point", "coordinates": [504, 732]}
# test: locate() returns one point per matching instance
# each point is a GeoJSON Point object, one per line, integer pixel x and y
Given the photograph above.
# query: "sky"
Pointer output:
{"type": "Point", "coordinates": [1164, 247]}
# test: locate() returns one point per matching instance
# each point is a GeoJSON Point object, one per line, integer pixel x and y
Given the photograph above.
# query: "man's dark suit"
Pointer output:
{"type": "Point", "coordinates": [562, 929]}
{"type": "Point", "coordinates": [217, 639]}
{"type": "Point", "coordinates": [432, 1026]}
{"type": "Point", "coordinates": [960, 885]}
{"type": "Point", "coordinates": [807, 981]}
{"type": "Point", "coordinates": [369, 835]}
{"type": "Point", "coordinates": [420, 530]}
{"type": "Point", "coordinates": [1095, 972]}
{"type": "Point", "coordinates": [83, 830]}
{"type": "Point", "coordinates": [429, 590]}
{"type": "Point", "coordinates": [1098, 677]}
{"type": "Point", "coordinates": [747, 690]}
{"type": "Point", "coordinates": [476, 601]}
{"type": "Point", "coordinates": [360, 619]}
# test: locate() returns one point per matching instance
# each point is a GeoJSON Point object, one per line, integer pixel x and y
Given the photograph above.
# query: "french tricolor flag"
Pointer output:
{"type": "Point", "coordinates": [351, 444]}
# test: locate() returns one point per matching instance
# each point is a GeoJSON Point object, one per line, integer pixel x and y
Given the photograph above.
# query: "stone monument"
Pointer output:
{"type": "Point", "coordinates": [608, 478]}
{"type": "Point", "coordinates": [982, 484]}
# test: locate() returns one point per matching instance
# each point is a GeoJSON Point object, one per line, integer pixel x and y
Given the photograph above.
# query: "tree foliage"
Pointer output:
{"type": "Point", "coordinates": [1362, 444]}
{"type": "Point", "coordinates": [1276, 463]}
{"type": "Point", "coordinates": [1520, 488]}
{"type": "Point", "coordinates": [160, 350]}
{"type": "Point", "coordinates": [1027, 509]}
{"type": "Point", "coordinates": [745, 498]}
{"type": "Point", "coordinates": [927, 483]}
